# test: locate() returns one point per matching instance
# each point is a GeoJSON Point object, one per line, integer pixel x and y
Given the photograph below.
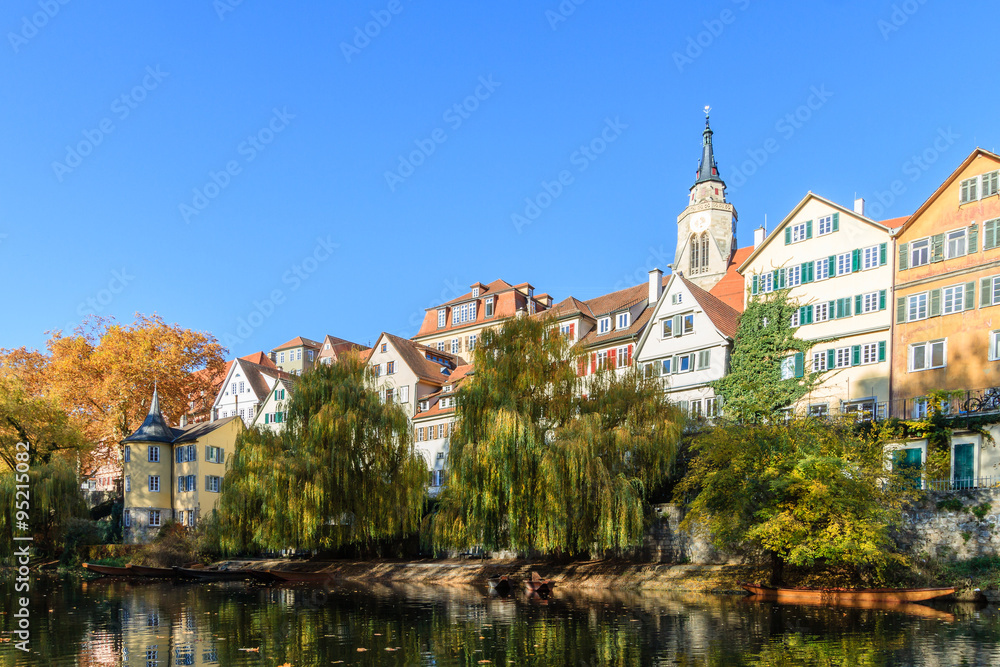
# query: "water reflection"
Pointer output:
{"type": "Point", "coordinates": [233, 623]}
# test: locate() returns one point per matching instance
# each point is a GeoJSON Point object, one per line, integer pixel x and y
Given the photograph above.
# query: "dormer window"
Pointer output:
{"type": "Point", "coordinates": [604, 325]}
{"type": "Point", "coordinates": [424, 405]}
{"type": "Point", "coordinates": [475, 292]}
{"type": "Point", "coordinates": [623, 321]}
{"type": "Point", "coordinates": [442, 317]}
{"type": "Point", "coordinates": [489, 307]}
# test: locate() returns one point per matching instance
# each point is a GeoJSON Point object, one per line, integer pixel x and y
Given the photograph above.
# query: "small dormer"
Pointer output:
{"type": "Point", "coordinates": [623, 320]}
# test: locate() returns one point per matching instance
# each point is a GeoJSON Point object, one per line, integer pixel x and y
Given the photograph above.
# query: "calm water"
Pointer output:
{"type": "Point", "coordinates": [165, 624]}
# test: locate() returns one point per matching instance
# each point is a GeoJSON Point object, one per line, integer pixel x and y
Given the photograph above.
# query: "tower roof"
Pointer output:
{"type": "Point", "coordinates": [154, 428]}
{"type": "Point", "coordinates": [708, 170]}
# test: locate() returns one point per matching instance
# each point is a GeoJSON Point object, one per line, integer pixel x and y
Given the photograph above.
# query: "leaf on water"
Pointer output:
{"type": "Point", "coordinates": [361, 649]}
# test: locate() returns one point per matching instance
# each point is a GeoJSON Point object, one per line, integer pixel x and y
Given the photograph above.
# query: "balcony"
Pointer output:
{"type": "Point", "coordinates": [963, 403]}
{"type": "Point", "coordinates": [961, 484]}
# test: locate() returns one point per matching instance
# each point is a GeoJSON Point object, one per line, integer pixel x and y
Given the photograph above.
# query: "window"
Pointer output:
{"type": "Point", "coordinates": [623, 321]}
{"type": "Point", "coordinates": [456, 345]}
{"type": "Point", "coordinates": [787, 368]}
{"type": "Point", "coordinates": [154, 454]}
{"type": "Point", "coordinates": [420, 429]}
{"type": "Point", "coordinates": [154, 483]}
{"type": "Point", "coordinates": [128, 518]}
{"type": "Point", "coordinates": [472, 342]}
{"type": "Point", "coordinates": [154, 519]}
{"type": "Point", "coordinates": [128, 454]}
{"type": "Point", "coordinates": [602, 358]}
{"type": "Point", "coordinates": [676, 299]}
{"type": "Point", "coordinates": [128, 483]}
{"type": "Point", "coordinates": [404, 394]}
{"type": "Point", "coordinates": [842, 357]}
{"type": "Point", "coordinates": [442, 320]}
{"type": "Point", "coordinates": [794, 275]}
{"type": "Point", "coordinates": [798, 232]}
{"type": "Point", "coordinates": [215, 454]}
{"type": "Point", "coordinates": [712, 407]}
{"type": "Point", "coordinates": [684, 363]}
{"type": "Point", "coordinates": [843, 264]}
{"type": "Point", "coordinates": [190, 523]}
{"type": "Point", "coordinates": [825, 224]}
{"type": "Point", "coordinates": [699, 253]}
{"type": "Point", "coordinates": [623, 357]}
{"type": "Point", "coordinates": [796, 318]}
{"type": "Point", "coordinates": [385, 347]}
{"type": "Point", "coordinates": [441, 346]}
{"type": "Point", "coordinates": [767, 282]}
{"type": "Point", "coordinates": [819, 361]}
{"type": "Point", "coordinates": [870, 302]}
{"type": "Point", "coordinates": [464, 313]}
{"type": "Point", "coordinates": [819, 410]}
{"type": "Point", "coordinates": [689, 323]}
{"type": "Point", "coordinates": [390, 367]}
{"type": "Point", "coordinates": [475, 292]}
{"type": "Point", "coordinates": [969, 190]}
{"type": "Point", "coordinates": [994, 351]}
{"type": "Point", "coordinates": [213, 483]}
{"type": "Point", "coordinates": [696, 411]}
{"type": "Point", "coordinates": [668, 327]}
{"type": "Point", "coordinates": [955, 246]}
{"type": "Point", "coordinates": [668, 365]}
{"type": "Point", "coordinates": [953, 299]}
{"type": "Point", "coordinates": [489, 307]}
{"type": "Point", "coordinates": [920, 252]}
{"type": "Point", "coordinates": [822, 269]}
{"type": "Point", "coordinates": [991, 184]}
{"type": "Point", "coordinates": [869, 353]}
{"type": "Point", "coordinates": [916, 307]}
{"type": "Point", "coordinates": [870, 257]}
{"type": "Point", "coordinates": [388, 395]}
{"type": "Point", "coordinates": [920, 406]}
{"type": "Point", "coordinates": [604, 325]}
{"type": "Point", "coordinates": [924, 356]}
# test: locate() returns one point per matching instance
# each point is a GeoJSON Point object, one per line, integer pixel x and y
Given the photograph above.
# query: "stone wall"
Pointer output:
{"type": "Point", "coordinates": [948, 532]}
{"type": "Point", "coordinates": [665, 542]}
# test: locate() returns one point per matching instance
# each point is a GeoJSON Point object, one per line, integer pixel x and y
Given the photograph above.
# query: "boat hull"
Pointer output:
{"type": "Point", "coordinates": [108, 570]}
{"type": "Point", "coordinates": [204, 574]}
{"type": "Point", "coordinates": [300, 577]}
{"type": "Point", "coordinates": [846, 595]}
{"type": "Point", "coordinates": [152, 572]}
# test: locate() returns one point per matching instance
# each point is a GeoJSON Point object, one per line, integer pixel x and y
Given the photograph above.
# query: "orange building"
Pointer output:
{"type": "Point", "coordinates": [946, 331]}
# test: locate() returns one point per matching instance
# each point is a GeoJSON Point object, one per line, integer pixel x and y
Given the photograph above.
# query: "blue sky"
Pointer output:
{"type": "Point", "coordinates": [226, 162]}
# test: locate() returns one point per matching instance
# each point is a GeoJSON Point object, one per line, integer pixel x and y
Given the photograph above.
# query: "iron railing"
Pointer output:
{"type": "Point", "coordinates": [963, 403]}
{"type": "Point", "coordinates": [961, 484]}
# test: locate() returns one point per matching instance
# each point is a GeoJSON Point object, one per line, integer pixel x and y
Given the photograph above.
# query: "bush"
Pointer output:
{"type": "Point", "coordinates": [78, 533]}
{"type": "Point", "coordinates": [173, 545]}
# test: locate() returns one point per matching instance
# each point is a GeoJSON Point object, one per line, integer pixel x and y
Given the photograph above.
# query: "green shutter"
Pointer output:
{"type": "Point", "coordinates": [805, 272]}
{"type": "Point", "coordinates": [678, 323]}
{"type": "Point", "coordinates": [857, 304]}
{"type": "Point", "coordinates": [855, 260]}
{"type": "Point", "coordinates": [985, 292]}
{"type": "Point", "coordinates": [937, 247]}
{"type": "Point", "coordinates": [904, 258]}
{"type": "Point", "coordinates": [831, 359]}
{"type": "Point", "coordinates": [809, 229]}
{"type": "Point", "coordinates": [753, 289]}
{"type": "Point", "coordinates": [973, 245]}
{"type": "Point", "coordinates": [839, 312]}
{"type": "Point", "coordinates": [883, 251]}
{"type": "Point", "coordinates": [970, 295]}
{"type": "Point", "coordinates": [812, 270]}
{"type": "Point", "coordinates": [788, 235]}
{"type": "Point", "coordinates": [800, 363]}
{"type": "Point", "coordinates": [855, 355]}
{"type": "Point", "coordinates": [881, 299]}
{"type": "Point", "coordinates": [831, 308]}
{"type": "Point", "coordinates": [833, 266]}
{"type": "Point", "coordinates": [809, 314]}
{"type": "Point", "coordinates": [935, 299]}
{"type": "Point", "coordinates": [900, 310]}
{"type": "Point", "coordinates": [782, 278]}
{"type": "Point", "coordinates": [990, 234]}
{"type": "Point", "coordinates": [847, 306]}
{"type": "Point", "coordinates": [836, 221]}
{"type": "Point", "coordinates": [881, 350]}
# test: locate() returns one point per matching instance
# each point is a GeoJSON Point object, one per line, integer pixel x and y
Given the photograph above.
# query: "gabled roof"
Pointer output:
{"type": "Point", "coordinates": [484, 290]}
{"type": "Point", "coordinates": [507, 300]}
{"type": "Point", "coordinates": [298, 341]}
{"type": "Point", "coordinates": [731, 288]}
{"type": "Point", "coordinates": [613, 302]}
{"type": "Point", "coordinates": [460, 375]}
{"type": "Point", "coordinates": [154, 428]}
{"type": "Point", "coordinates": [592, 339]}
{"type": "Point", "coordinates": [254, 374]}
{"type": "Point", "coordinates": [414, 355]}
{"type": "Point", "coordinates": [195, 431]}
{"type": "Point", "coordinates": [725, 318]}
{"type": "Point", "coordinates": [569, 306]}
{"type": "Point", "coordinates": [948, 181]}
{"type": "Point", "coordinates": [798, 207]}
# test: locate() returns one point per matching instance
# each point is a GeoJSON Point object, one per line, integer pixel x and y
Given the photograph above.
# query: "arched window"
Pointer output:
{"type": "Point", "coordinates": [695, 255]}
{"type": "Point", "coordinates": [704, 252]}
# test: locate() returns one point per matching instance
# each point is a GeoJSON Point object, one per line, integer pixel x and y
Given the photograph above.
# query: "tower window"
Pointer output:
{"type": "Point", "coordinates": [699, 253]}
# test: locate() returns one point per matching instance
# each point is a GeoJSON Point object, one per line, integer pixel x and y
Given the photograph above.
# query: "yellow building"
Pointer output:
{"type": "Point", "coordinates": [174, 473]}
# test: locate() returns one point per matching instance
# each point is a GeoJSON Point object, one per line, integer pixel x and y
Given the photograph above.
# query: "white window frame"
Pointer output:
{"type": "Point", "coordinates": [993, 353]}
{"type": "Point", "coordinates": [788, 368]}
{"type": "Point", "coordinates": [824, 225]}
{"type": "Point", "coordinates": [844, 263]}
{"type": "Point", "coordinates": [869, 353]}
{"type": "Point", "coordinates": [153, 454]}
{"type": "Point", "coordinates": [819, 361]}
{"type": "Point", "coordinates": [916, 307]}
{"type": "Point", "coordinates": [920, 250]}
{"type": "Point", "coordinates": [677, 299]}
{"type": "Point", "coordinates": [488, 307]}
{"type": "Point", "coordinates": [766, 282]}
{"type": "Point", "coordinates": [153, 483]}
{"type": "Point", "coordinates": [621, 357]}
{"type": "Point", "coordinates": [822, 269]}
{"type": "Point", "coordinates": [689, 358]}
{"type": "Point", "coordinates": [622, 320]}
{"type": "Point", "coordinates": [128, 453]}
{"type": "Point", "coordinates": [869, 302]}
{"type": "Point", "coordinates": [128, 518]}
{"type": "Point", "coordinates": [794, 276]}
{"type": "Point", "coordinates": [603, 325]}
{"type": "Point", "coordinates": [821, 311]}
{"type": "Point", "coordinates": [154, 518]}
{"type": "Point", "coordinates": [795, 319]}
{"type": "Point", "coordinates": [842, 357]}
{"type": "Point", "coordinates": [128, 483]}
{"type": "Point", "coordinates": [213, 483]}
{"type": "Point", "coordinates": [687, 324]}
{"type": "Point", "coordinates": [956, 237]}
{"type": "Point", "coordinates": [819, 410]}
{"type": "Point", "coordinates": [953, 296]}
{"type": "Point", "coordinates": [798, 232]}
{"type": "Point", "coordinates": [869, 258]}
{"type": "Point", "coordinates": [602, 359]}
{"type": "Point", "coordinates": [928, 354]}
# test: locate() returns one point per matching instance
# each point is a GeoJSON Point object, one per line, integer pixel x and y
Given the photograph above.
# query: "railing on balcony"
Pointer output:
{"type": "Point", "coordinates": [961, 484]}
{"type": "Point", "coordinates": [972, 402]}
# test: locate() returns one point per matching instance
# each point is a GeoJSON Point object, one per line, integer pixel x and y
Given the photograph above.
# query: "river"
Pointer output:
{"type": "Point", "coordinates": [161, 624]}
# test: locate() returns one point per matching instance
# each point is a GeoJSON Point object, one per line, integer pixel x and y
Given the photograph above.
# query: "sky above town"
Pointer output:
{"type": "Point", "coordinates": [263, 170]}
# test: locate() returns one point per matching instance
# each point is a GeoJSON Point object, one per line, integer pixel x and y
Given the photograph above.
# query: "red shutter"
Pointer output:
{"type": "Point", "coordinates": [611, 359]}
{"type": "Point", "coordinates": [593, 362]}
{"type": "Point", "coordinates": [629, 356]}
{"type": "Point", "coordinates": [572, 331]}
{"type": "Point", "coordinates": [581, 366]}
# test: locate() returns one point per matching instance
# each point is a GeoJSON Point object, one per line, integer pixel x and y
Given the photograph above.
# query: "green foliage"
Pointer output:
{"type": "Point", "coordinates": [343, 471]}
{"type": "Point", "coordinates": [981, 510]}
{"type": "Point", "coordinates": [541, 460]}
{"type": "Point", "coordinates": [805, 492]}
{"type": "Point", "coordinates": [55, 500]}
{"type": "Point", "coordinates": [753, 391]}
{"type": "Point", "coordinates": [951, 504]}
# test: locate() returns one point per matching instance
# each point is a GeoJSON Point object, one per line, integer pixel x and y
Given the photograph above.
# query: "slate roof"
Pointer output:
{"type": "Point", "coordinates": [195, 431]}
{"type": "Point", "coordinates": [155, 428]}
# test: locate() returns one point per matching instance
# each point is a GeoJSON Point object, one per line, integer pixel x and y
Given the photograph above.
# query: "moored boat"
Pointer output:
{"type": "Point", "coordinates": [207, 574]}
{"type": "Point", "coordinates": [499, 584]}
{"type": "Point", "coordinates": [839, 595]}
{"type": "Point", "coordinates": [300, 577]}
{"type": "Point", "coordinates": [538, 585]}
{"type": "Point", "coordinates": [154, 572]}
{"type": "Point", "coordinates": [107, 570]}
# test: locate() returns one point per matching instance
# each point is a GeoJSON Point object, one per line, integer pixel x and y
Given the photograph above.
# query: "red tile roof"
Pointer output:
{"type": "Point", "coordinates": [414, 355]}
{"type": "Point", "coordinates": [730, 290]}
{"type": "Point", "coordinates": [298, 341]}
{"type": "Point", "coordinates": [508, 300]}
{"type": "Point", "coordinates": [895, 223]}
{"type": "Point", "coordinates": [458, 376]}
{"type": "Point", "coordinates": [725, 318]}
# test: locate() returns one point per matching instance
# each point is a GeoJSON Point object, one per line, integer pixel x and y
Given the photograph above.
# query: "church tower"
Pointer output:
{"type": "Point", "coordinates": [706, 230]}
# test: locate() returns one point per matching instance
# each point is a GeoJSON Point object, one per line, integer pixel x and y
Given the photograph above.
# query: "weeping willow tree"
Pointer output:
{"type": "Point", "coordinates": [55, 500]}
{"type": "Point", "coordinates": [542, 460]}
{"type": "Point", "coordinates": [343, 471]}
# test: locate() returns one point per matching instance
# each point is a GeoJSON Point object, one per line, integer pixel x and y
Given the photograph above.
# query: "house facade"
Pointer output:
{"type": "Point", "coordinates": [173, 473]}
{"type": "Point", "coordinates": [272, 414]}
{"type": "Point", "coordinates": [837, 266]}
{"type": "Point", "coordinates": [245, 389]}
{"type": "Point", "coordinates": [332, 348]}
{"type": "Point", "coordinates": [434, 423]}
{"type": "Point", "coordinates": [297, 355]}
{"type": "Point", "coordinates": [456, 327]}
{"type": "Point", "coordinates": [407, 371]}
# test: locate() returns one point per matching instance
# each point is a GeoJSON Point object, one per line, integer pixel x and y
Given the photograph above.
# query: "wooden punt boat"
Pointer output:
{"type": "Point", "coordinates": [908, 608]}
{"type": "Point", "coordinates": [840, 595]}
{"type": "Point", "coordinates": [300, 577]}
{"type": "Point", "coordinates": [107, 570]}
{"type": "Point", "coordinates": [538, 585]}
{"type": "Point", "coordinates": [206, 574]}
{"type": "Point", "coordinates": [501, 585]}
{"type": "Point", "coordinates": [153, 572]}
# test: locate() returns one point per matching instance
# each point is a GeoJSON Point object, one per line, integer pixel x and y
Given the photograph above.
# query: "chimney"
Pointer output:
{"type": "Point", "coordinates": [859, 206]}
{"type": "Point", "coordinates": [759, 235]}
{"type": "Point", "coordinates": [655, 285]}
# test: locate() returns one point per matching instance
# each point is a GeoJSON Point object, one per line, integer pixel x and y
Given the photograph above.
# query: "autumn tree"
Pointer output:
{"type": "Point", "coordinates": [542, 460]}
{"type": "Point", "coordinates": [343, 471]}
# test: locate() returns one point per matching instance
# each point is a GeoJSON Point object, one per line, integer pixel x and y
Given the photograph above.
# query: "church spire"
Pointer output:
{"type": "Point", "coordinates": [708, 170]}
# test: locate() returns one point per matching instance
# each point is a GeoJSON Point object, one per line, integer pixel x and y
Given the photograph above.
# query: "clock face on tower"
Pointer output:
{"type": "Point", "coordinates": [700, 223]}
